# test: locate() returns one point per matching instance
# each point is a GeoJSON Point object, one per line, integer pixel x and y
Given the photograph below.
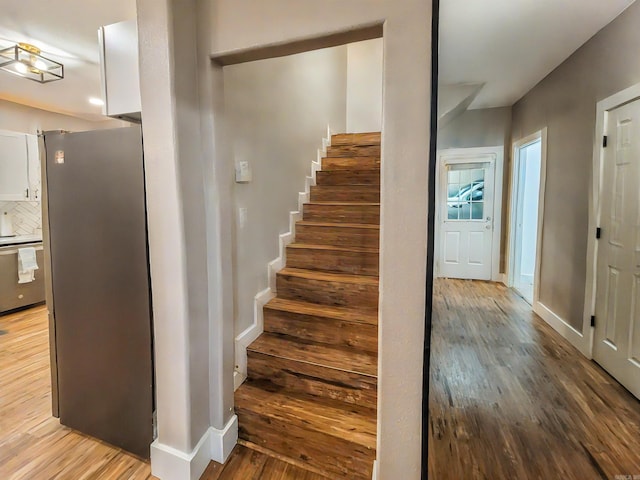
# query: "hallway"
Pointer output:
{"type": "Point", "coordinates": [511, 398]}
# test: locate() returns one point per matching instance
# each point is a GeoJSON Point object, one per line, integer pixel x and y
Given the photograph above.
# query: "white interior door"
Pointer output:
{"type": "Point", "coordinates": [617, 331]}
{"type": "Point", "coordinates": [527, 191]}
{"type": "Point", "coordinates": [467, 194]}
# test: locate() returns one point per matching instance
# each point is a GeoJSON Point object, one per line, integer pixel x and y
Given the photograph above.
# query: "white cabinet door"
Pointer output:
{"type": "Point", "coordinates": [617, 333]}
{"type": "Point", "coordinates": [35, 175]}
{"type": "Point", "coordinates": [120, 71]}
{"type": "Point", "coordinates": [14, 167]}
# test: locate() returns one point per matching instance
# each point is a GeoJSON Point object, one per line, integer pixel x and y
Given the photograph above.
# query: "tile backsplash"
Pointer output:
{"type": "Point", "coordinates": [27, 217]}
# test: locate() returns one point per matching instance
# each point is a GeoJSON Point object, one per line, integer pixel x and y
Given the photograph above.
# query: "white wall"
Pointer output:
{"type": "Point", "coordinates": [364, 86]}
{"type": "Point", "coordinates": [24, 119]}
{"type": "Point", "coordinates": [278, 111]}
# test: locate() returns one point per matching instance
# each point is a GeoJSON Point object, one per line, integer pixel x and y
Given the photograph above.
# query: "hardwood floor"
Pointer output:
{"type": "Point", "coordinates": [511, 398]}
{"type": "Point", "coordinates": [34, 446]}
{"type": "Point", "coordinates": [249, 464]}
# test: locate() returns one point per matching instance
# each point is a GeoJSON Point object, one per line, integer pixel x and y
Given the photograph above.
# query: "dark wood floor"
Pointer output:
{"type": "Point", "coordinates": [511, 399]}
{"type": "Point", "coordinates": [248, 464]}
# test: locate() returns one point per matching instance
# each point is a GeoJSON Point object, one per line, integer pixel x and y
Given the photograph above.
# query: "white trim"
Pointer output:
{"type": "Point", "coordinates": [602, 108]}
{"type": "Point", "coordinates": [577, 339]}
{"type": "Point", "coordinates": [515, 172]}
{"type": "Point", "coordinates": [251, 333]}
{"type": "Point", "coordinates": [168, 463]}
{"type": "Point", "coordinates": [223, 441]}
{"type": "Point", "coordinates": [462, 153]}
{"type": "Point", "coordinates": [374, 474]}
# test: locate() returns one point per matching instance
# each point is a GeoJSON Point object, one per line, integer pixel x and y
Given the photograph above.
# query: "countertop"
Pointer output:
{"type": "Point", "coordinates": [19, 240]}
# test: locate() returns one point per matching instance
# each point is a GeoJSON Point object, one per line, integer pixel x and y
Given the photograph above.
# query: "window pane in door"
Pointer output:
{"type": "Point", "coordinates": [465, 192]}
{"type": "Point", "coordinates": [477, 210]}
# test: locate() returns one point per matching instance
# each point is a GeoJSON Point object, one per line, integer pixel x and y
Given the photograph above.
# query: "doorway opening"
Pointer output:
{"type": "Point", "coordinates": [526, 217]}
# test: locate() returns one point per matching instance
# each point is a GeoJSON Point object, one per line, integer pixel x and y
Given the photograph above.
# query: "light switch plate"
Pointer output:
{"type": "Point", "coordinates": [243, 172]}
{"type": "Point", "coordinates": [242, 217]}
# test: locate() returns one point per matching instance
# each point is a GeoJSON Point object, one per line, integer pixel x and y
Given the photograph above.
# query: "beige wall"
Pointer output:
{"type": "Point", "coordinates": [565, 102]}
{"type": "Point", "coordinates": [487, 127]}
{"type": "Point", "coordinates": [240, 25]}
{"type": "Point", "coordinates": [278, 112]}
{"type": "Point", "coordinates": [24, 119]}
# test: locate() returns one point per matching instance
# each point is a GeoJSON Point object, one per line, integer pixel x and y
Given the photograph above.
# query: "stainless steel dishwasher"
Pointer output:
{"type": "Point", "coordinates": [13, 294]}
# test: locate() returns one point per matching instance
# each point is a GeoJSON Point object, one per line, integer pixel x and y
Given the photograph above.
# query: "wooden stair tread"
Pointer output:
{"type": "Point", "coordinates": [365, 138]}
{"type": "Point", "coordinates": [348, 422]}
{"type": "Point", "coordinates": [351, 163]}
{"type": "Point", "coordinates": [336, 248]}
{"type": "Point", "coordinates": [345, 204]}
{"type": "Point", "coordinates": [356, 315]}
{"type": "Point", "coordinates": [354, 150]}
{"type": "Point", "coordinates": [310, 223]}
{"type": "Point", "coordinates": [329, 276]}
{"type": "Point", "coordinates": [347, 172]}
{"type": "Point", "coordinates": [346, 360]}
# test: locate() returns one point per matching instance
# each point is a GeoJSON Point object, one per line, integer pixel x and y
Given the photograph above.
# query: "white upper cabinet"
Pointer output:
{"type": "Point", "coordinates": [34, 167]}
{"type": "Point", "coordinates": [120, 70]}
{"type": "Point", "coordinates": [14, 166]}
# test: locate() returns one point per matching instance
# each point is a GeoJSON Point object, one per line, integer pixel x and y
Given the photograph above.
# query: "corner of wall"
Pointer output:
{"type": "Point", "coordinates": [250, 334]}
{"type": "Point", "coordinates": [168, 463]}
{"type": "Point", "coordinates": [579, 340]}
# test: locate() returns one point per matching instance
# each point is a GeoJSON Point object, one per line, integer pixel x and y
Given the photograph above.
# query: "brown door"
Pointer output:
{"type": "Point", "coordinates": [100, 279]}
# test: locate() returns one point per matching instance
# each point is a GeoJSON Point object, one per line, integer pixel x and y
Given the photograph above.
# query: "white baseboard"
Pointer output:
{"type": "Point", "coordinates": [168, 463]}
{"type": "Point", "coordinates": [577, 339]}
{"type": "Point", "coordinates": [244, 339]}
{"type": "Point", "coordinates": [223, 441]}
{"type": "Point", "coordinates": [374, 475]}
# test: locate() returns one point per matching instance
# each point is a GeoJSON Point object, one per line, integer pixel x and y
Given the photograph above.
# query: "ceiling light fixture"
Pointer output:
{"type": "Point", "coordinates": [25, 61]}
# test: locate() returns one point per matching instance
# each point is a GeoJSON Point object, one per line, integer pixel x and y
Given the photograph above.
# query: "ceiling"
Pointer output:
{"type": "Point", "coordinates": [510, 45]}
{"type": "Point", "coordinates": [507, 45]}
{"type": "Point", "coordinates": [65, 31]}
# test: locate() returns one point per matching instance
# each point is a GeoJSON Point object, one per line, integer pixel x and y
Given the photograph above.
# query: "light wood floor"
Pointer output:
{"type": "Point", "coordinates": [510, 398]}
{"type": "Point", "coordinates": [34, 446]}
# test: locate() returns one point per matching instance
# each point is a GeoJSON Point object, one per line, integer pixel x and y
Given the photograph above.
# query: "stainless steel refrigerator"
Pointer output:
{"type": "Point", "coordinates": [100, 285]}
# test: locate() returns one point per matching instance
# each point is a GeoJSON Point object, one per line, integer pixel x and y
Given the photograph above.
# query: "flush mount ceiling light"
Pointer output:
{"type": "Point", "coordinates": [25, 61]}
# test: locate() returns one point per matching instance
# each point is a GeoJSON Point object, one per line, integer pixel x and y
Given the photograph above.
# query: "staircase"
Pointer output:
{"type": "Point", "coordinates": [310, 394]}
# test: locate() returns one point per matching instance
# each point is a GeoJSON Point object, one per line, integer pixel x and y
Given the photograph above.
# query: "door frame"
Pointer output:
{"type": "Point", "coordinates": [459, 155]}
{"type": "Point", "coordinates": [513, 204]}
{"type": "Point", "coordinates": [603, 107]}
